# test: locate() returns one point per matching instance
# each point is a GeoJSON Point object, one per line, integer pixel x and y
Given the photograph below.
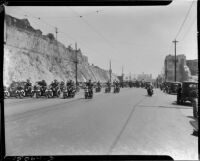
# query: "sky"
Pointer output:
{"type": "Point", "coordinates": [136, 38]}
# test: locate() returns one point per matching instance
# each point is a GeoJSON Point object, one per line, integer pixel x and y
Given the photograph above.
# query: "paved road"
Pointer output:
{"type": "Point", "coordinates": [128, 123]}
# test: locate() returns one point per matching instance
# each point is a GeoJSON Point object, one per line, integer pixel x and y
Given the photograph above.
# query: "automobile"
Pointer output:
{"type": "Point", "coordinates": [16, 89]}
{"type": "Point", "coordinates": [173, 87]}
{"type": "Point", "coordinates": [188, 88]}
{"type": "Point", "coordinates": [195, 107]}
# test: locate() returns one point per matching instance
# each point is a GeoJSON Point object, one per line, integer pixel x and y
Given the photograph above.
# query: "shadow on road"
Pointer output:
{"type": "Point", "coordinates": [184, 104]}
{"type": "Point", "coordinates": [148, 95]}
{"type": "Point", "coordinates": [191, 117]}
{"type": "Point", "coordinates": [195, 127]}
{"type": "Point", "coordinates": [165, 107]}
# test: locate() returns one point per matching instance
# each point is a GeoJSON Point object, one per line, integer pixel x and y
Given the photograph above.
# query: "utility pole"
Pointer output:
{"type": "Point", "coordinates": [165, 70]}
{"type": "Point", "coordinates": [175, 59]}
{"type": "Point", "coordinates": [56, 30]}
{"type": "Point", "coordinates": [122, 74]}
{"type": "Point", "coordinates": [110, 71]}
{"type": "Point", "coordinates": [76, 64]}
{"type": "Point", "coordinates": [5, 31]}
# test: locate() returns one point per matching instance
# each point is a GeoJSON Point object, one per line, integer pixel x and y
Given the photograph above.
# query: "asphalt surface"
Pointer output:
{"type": "Point", "coordinates": [127, 123]}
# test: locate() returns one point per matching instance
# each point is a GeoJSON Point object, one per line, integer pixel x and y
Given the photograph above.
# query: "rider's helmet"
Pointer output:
{"type": "Point", "coordinates": [28, 81]}
{"type": "Point", "coordinates": [62, 82]}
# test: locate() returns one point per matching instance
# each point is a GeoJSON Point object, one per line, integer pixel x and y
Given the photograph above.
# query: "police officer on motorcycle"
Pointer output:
{"type": "Point", "coordinates": [116, 85]}
{"type": "Point", "coordinates": [108, 84]}
{"type": "Point", "coordinates": [89, 84]}
{"type": "Point", "coordinates": [69, 83]}
{"type": "Point", "coordinates": [62, 85]}
{"type": "Point", "coordinates": [43, 85]}
{"type": "Point", "coordinates": [55, 87]}
{"type": "Point", "coordinates": [28, 86]}
{"type": "Point", "coordinates": [70, 86]}
{"type": "Point", "coordinates": [98, 84]}
{"type": "Point", "coordinates": [150, 89]}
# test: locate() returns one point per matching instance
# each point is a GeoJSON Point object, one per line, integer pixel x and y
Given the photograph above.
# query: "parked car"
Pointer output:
{"type": "Point", "coordinates": [188, 89]}
{"type": "Point", "coordinates": [173, 87]}
{"type": "Point", "coordinates": [195, 108]}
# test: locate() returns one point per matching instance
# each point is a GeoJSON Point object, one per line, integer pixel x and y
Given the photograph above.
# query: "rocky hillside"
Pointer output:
{"type": "Point", "coordinates": [28, 54]}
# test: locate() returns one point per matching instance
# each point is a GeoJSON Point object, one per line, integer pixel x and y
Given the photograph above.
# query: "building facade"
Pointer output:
{"type": "Point", "coordinates": [145, 77]}
{"type": "Point", "coordinates": [182, 70]}
{"type": "Point", "coordinates": [193, 66]}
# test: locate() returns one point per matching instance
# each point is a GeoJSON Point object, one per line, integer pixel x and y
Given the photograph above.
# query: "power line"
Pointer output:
{"type": "Point", "coordinates": [184, 19]}
{"type": "Point", "coordinates": [28, 14]}
{"type": "Point", "coordinates": [54, 27]}
{"type": "Point", "coordinates": [95, 30]}
{"type": "Point", "coordinates": [188, 31]}
{"type": "Point", "coordinates": [72, 17]}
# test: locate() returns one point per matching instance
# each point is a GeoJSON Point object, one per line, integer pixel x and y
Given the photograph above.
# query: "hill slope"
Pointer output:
{"type": "Point", "coordinates": [30, 55]}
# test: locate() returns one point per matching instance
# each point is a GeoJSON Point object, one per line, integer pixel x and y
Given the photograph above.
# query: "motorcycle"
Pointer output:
{"type": "Point", "coordinates": [88, 93]}
{"type": "Point", "coordinates": [71, 92]}
{"type": "Point", "coordinates": [98, 89]}
{"type": "Point", "coordinates": [150, 91]}
{"type": "Point", "coordinates": [48, 92]}
{"type": "Point", "coordinates": [20, 93]}
{"type": "Point", "coordinates": [6, 93]}
{"type": "Point", "coordinates": [29, 92]}
{"type": "Point", "coordinates": [56, 91]}
{"type": "Point", "coordinates": [116, 89]}
{"type": "Point", "coordinates": [65, 93]}
{"type": "Point", "coordinates": [16, 90]}
{"type": "Point", "coordinates": [107, 89]}
{"type": "Point", "coordinates": [37, 91]}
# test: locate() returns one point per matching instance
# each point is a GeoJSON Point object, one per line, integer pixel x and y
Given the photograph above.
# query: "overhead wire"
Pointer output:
{"type": "Point", "coordinates": [60, 30]}
{"type": "Point", "coordinates": [98, 33]}
{"type": "Point", "coordinates": [189, 29]}
{"type": "Point", "coordinates": [71, 17]}
{"type": "Point", "coordinates": [186, 16]}
{"type": "Point", "coordinates": [29, 15]}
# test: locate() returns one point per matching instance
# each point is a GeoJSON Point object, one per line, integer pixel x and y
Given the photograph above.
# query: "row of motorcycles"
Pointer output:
{"type": "Point", "coordinates": [20, 90]}
{"type": "Point", "coordinates": [89, 91]}
{"type": "Point", "coordinates": [40, 91]}
{"type": "Point", "coordinates": [116, 89]}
